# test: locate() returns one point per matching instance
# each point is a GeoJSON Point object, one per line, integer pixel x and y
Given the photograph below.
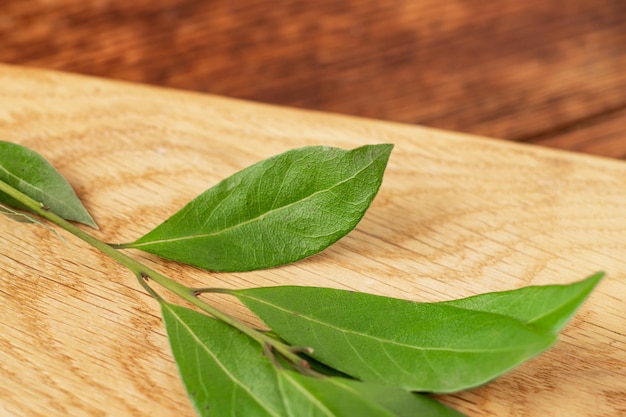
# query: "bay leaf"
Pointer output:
{"type": "Point", "coordinates": [415, 346]}
{"type": "Point", "coordinates": [274, 212]}
{"type": "Point", "coordinates": [340, 395]}
{"type": "Point", "coordinates": [226, 373]}
{"type": "Point", "coordinates": [548, 307]}
{"type": "Point", "coordinates": [28, 172]}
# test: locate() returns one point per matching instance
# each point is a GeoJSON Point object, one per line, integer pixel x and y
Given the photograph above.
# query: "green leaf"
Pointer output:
{"type": "Point", "coordinates": [416, 346]}
{"type": "Point", "coordinates": [277, 211]}
{"type": "Point", "coordinates": [226, 374]}
{"type": "Point", "coordinates": [547, 307]}
{"type": "Point", "coordinates": [340, 395]}
{"type": "Point", "coordinates": [28, 172]}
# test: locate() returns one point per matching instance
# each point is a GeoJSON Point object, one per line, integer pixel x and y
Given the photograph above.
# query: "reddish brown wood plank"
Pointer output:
{"type": "Point", "coordinates": [604, 135]}
{"type": "Point", "coordinates": [509, 69]}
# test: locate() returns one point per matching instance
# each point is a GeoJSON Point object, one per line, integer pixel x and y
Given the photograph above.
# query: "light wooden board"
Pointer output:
{"type": "Point", "coordinates": [457, 215]}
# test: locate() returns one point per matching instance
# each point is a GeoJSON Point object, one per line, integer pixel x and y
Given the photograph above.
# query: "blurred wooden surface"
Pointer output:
{"type": "Point", "coordinates": [456, 216]}
{"type": "Point", "coordinates": [545, 72]}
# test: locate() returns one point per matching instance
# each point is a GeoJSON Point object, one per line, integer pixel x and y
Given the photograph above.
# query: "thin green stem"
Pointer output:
{"type": "Point", "coordinates": [211, 290]}
{"type": "Point", "coordinates": [121, 245]}
{"type": "Point", "coordinates": [142, 279]}
{"type": "Point", "coordinates": [144, 273]}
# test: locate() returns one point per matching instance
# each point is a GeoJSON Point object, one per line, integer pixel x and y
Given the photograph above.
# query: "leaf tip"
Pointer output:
{"type": "Point", "coordinates": [385, 148]}
{"type": "Point", "coordinates": [588, 284]}
{"type": "Point", "coordinates": [91, 223]}
{"type": "Point", "coordinates": [595, 278]}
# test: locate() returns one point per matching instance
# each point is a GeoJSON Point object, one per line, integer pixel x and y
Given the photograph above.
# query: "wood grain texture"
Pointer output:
{"type": "Point", "coordinates": [457, 215]}
{"type": "Point", "coordinates": [508, 69]}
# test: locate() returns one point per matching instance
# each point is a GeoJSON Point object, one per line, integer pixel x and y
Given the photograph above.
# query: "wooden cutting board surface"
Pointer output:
{"type": "Point", "coordinates": [457, 215]}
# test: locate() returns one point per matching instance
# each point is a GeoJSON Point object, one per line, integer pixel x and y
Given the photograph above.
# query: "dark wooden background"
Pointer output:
{"type": "Point", "coordinates": [538, 71]}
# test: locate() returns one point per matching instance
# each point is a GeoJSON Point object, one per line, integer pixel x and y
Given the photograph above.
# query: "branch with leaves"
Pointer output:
{"type": "Point", "coordinates": [329, 352]}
